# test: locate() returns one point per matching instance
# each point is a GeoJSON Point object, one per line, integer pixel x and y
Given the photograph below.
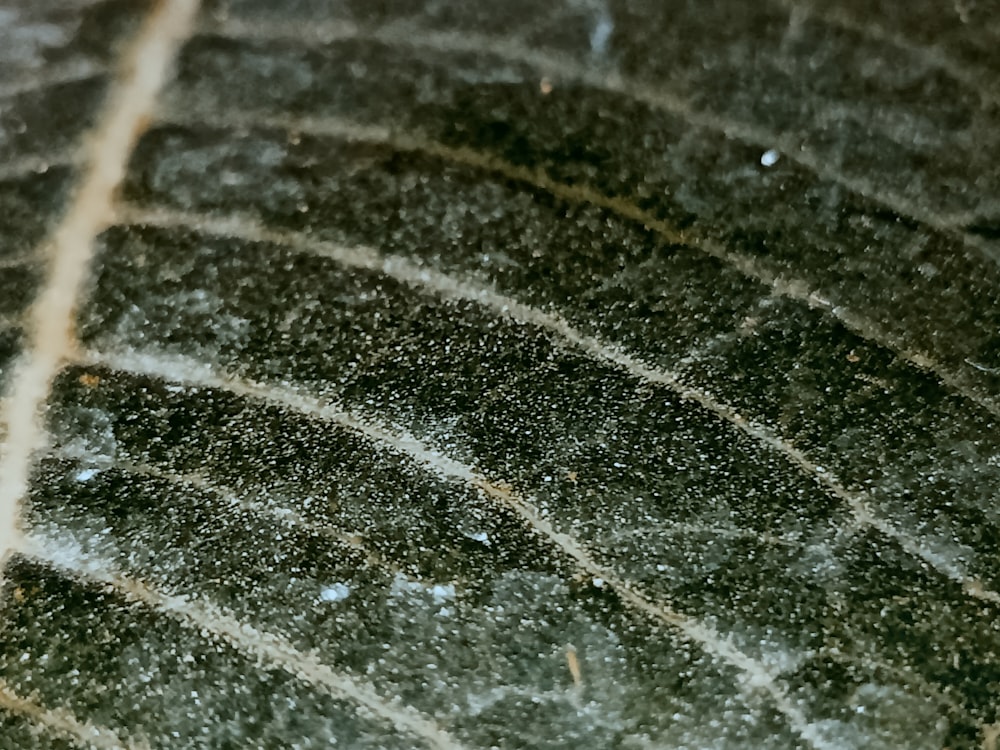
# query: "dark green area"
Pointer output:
{"type": "Point", "coordinates": [555, 155]}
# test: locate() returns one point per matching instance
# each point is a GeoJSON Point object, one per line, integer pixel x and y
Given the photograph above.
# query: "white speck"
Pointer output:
{"type": "Point", "coordinates": [442, 593]}
{"type": "Point", "coordinates": [86, 475]}
{"type": "Point", "coordinates": [600, 34]}
{"type": "Point", "coordinates": [661, 568]}
{"type": "Point", "coordinates": [982, 367]}
{"type": "Point", "coordinates": [480, 536]}
{"type": "Point", "coordinates": [599, 583]}
{"type": "Point", "coordinates": [769, 158]}
{"type": "Point", "coordinates": [546, 478]}
{"type": "Point", "coordinates": [928, 270]}
{"type": "Point", "coordinates": [335, 593]}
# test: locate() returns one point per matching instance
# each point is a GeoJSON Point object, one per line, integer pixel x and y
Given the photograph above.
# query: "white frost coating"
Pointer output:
{"type": "Point", "coordinates": [89, 437]}
{"type": "Point", "coordinates": [936, 55]}
{"type": "Point", "coordinates": [71, 247]}
{"type": "Point", "coordinates": [658, 98]}
{"type": "Point", "coordinates": [208, 618]}
{"type": "Point", "coordinates": [769, 158]}
{"type": "Point", "coordinates": [707, 637]}
{"type": "Point", "coordinates": [450, 287]}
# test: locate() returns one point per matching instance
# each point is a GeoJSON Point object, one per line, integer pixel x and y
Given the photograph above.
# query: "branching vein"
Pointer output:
{"type": "Point", "coordinates": [191, 373]}
{"type": "Point", "coordinates": [205, 617]}
{"type": "Point", "coordinates": [780, 284]}
{"type": "Point", "coordinates": [656, 97]}
{"type": "Point", "coordinates": [69, 249]}
{"type": "Point", "coordinates": [450, 287]}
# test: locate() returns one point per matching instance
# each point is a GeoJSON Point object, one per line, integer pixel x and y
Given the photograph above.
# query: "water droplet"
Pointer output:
{"type": "Point", "coordinates": [769, 158]}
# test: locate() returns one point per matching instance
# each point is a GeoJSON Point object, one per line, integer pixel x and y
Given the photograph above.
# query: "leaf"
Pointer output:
{"type": "Point", "coordinates": [500, 375]}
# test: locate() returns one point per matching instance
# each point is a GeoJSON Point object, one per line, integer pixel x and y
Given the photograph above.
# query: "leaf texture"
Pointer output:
{"type": "Point", "coordinates": [445, 374]}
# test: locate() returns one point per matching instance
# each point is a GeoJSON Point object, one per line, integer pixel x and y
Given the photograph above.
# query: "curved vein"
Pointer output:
{"type": "Point", "coordinates": [204, 616]}
{"type": "Point", "coordinates": [286, 516]}
{"type": "Point", "coordinates": [450, 287]}
{"type": "Point", "coordinates": [656, 97]}
{"type": "Point", "coordinates": [128, 111]}
{"type": "Point", "coordinates": [192, 373]}
{"type": "Point", "coordinates": [779, 284]}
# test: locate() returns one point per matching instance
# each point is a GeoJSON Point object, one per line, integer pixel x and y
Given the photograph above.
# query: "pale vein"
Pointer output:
{"type": "Point", "coordinates": [287, 516]}
{"type": "Point", "coordinates": [205, 617]}
{"type": "Point", "coordinates": [130, 107]}
{"type": "Point", "coordinates": [61, 722]}
{"type": "Point", "coordinates": [780, 284]}
{"type": "Point", "coordinates": [934, 56]}
{"type": "Point", "coordinates": [657, 97]}
{"type": "Point", "coordinates": [451, 287]}
{"type": "Point", "coordinates": [192, 373]}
